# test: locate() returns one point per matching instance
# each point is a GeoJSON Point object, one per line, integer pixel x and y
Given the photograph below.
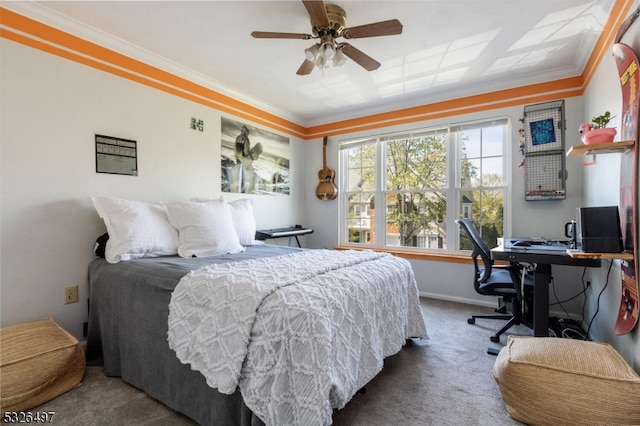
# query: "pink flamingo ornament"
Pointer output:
{"type": "Point", "coordinates": [592, 136]}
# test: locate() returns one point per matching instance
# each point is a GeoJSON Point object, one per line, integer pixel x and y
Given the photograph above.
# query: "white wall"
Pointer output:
{"type": "Point", "coordinates": [527, 218]}
{"type": "Point", "coordinates": [602, 186]}
{"type": "Point", "coordinates": [50, 110]}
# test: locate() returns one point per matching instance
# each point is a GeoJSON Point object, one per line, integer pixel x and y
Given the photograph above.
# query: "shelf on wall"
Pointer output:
{"type": "Point", "coordinates": [578, 254]}
{"type": "Point", "coordinates": [601, 148]}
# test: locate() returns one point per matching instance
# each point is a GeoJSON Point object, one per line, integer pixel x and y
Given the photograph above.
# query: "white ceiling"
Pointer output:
{"type": "Point", "coordinates": [448, 48]}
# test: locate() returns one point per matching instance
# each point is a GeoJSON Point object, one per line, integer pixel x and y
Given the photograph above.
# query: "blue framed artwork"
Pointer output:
{"type": "Point", "coordinates": [542, 132]}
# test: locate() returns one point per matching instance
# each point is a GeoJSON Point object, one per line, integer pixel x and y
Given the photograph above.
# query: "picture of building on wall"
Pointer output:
{"type": "Point", "coordinates": [254, 161]}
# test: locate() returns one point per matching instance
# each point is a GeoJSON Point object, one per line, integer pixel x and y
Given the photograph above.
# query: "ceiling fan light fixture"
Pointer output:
{"type": "Point", "coordinates": [325, 55]}
{"type": "Point", "coordinates": [312, 52]}
{"type": "Point", "coordinates": [339, 59]}
{"type": "Point", "coordinates": [328, 50]}
{"type": "Point", "coordinates": [322, 63]}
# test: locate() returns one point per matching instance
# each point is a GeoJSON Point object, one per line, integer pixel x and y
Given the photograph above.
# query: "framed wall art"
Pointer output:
{"type": "Point", "coordinates": [254, 160]}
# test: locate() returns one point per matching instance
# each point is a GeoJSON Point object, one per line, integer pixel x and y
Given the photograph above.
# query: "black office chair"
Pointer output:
{"type": "Point", "coordinates": [494, 280]}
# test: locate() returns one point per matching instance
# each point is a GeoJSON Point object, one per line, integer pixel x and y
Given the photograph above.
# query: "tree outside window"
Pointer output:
{"type": "Point", "coordinates": [482, 182]}
{"type": "Point", "coordinates": [416, 174]}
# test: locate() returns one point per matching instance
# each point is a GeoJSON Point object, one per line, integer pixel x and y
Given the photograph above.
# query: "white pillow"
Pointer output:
{"type": "Point", "coordinates": [136, 229]}
{"type": "Point", "coordinates": [204, 229]}
{"type": "Point", "coordinates": [244, 221]}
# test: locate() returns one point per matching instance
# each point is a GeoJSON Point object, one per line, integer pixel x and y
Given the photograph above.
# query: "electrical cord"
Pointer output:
{"type": "Point", "coordinates": [553, 287]}
{"type": "Point", "coordinates": [571, 333]}
{"type": "Point", "coordinates": [598, 300]}
{"type": "Point", "coordinates": [560, 302]}
{"type": "Point", "coordinates": [526, 269]}
{"type": "Point", "coordinates": [584, 290]}
{"type": "Point", "coordinates": [567, 330]}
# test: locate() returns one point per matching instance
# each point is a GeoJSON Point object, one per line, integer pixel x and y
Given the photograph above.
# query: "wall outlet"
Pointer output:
{"type": "Point", "coordinates": [71, 294]}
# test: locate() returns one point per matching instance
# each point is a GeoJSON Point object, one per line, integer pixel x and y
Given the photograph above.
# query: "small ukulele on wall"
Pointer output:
{"type": "Point", "coordinates": [326, 189]}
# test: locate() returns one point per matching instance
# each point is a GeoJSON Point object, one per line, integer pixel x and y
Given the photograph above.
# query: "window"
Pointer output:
{"type": "Point", "coordinates": [407, 189]}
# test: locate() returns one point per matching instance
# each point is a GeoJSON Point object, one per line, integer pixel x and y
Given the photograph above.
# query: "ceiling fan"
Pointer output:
{"type": "Point", "coordinates": [328, 23]}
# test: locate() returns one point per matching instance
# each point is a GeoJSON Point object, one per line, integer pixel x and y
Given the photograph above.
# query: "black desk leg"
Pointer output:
{"type": "Point", "coordinates": [541, 300]}
{"type": "Point", "coordinates": [297, 241]}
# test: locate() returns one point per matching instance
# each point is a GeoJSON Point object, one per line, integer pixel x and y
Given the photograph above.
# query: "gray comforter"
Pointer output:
{"type": "Point", "coordinates": [129, 308]}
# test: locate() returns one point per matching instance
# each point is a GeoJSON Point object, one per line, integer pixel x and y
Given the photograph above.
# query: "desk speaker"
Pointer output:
{"type": "Point", "coordinates": [598, 229]}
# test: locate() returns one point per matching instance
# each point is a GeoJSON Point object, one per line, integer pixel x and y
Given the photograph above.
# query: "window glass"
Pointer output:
{"type": "Point", "coordinates": [361, 170]}
{"type": "Point", "coordinates": [412, 172]}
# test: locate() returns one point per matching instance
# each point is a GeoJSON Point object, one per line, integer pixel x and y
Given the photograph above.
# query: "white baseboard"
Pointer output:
{"type": "Point", "coordinates": [490, 303]}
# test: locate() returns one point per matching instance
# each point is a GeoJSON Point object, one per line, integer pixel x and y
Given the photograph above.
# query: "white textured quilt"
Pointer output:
{"type": "Point", "coordinates": [299, 334]}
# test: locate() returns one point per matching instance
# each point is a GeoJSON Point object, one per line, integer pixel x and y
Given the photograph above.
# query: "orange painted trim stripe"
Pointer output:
{"type": "Point", "coordinates": [498, 99]}
{"type": "Point", "coordinates": [134, 77]}
{"type": "Point", "coordinates": [471, 108]}
{"type": "Point", "coordinates": [48, 39]}
{"type": "Point", "coordinates": [85, 49]}
{"type": "Point", "coordinates": [621, 9]}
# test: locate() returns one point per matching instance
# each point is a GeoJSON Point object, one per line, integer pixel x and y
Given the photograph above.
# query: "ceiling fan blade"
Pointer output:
{"type": "Point", "coordinates": [390, 27]}
{"type": "Point", "coordinates": [365, 61]}
{"type": "Point", "coordinates": [317, 12]}
{"type": "Point", "coordinates": [305, 68]}
{"type": "Point", "coordinates": [267, 34]}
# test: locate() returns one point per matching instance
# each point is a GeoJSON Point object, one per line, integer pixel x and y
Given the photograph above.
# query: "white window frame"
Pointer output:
{"type": "Point", "coordinates": [452, 188]}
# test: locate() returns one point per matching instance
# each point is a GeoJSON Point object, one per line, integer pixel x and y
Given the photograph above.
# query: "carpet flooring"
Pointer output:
{"type": "Point", "coordinates": [444, 380]}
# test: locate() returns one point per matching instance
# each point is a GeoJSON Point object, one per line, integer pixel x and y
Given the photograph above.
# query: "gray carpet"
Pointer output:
{"type": "Point", "coordinates": [445, 380]}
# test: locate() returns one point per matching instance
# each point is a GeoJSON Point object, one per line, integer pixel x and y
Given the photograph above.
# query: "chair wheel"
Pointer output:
{"type": "Point", "coordinates": [495, 339]}
{"type": "Point", "coordinates": [471, 320]}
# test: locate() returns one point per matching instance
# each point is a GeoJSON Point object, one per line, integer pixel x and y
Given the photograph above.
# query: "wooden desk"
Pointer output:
{"type": "Point", "coordinates": [265, 234]}
{"type": "Point", "coordinates": [542, 278]}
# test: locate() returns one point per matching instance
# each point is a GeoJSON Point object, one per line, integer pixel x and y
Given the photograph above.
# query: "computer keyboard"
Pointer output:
{"type": "Point", "coordinates": [537, 244]}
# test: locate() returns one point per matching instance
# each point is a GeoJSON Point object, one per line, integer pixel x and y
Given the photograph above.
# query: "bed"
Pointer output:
{"type": "Point", "coordinates": [267, 335]}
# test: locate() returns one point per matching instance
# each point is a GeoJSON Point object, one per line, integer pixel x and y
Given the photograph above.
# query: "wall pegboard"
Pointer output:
{"type": "Point", "coordinates": [543, 149]}
{"type": "Point", "coordinates": [544, 177]}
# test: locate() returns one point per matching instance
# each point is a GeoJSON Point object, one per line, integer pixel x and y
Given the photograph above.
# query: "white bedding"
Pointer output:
{"type": "Point", "coordinates": [299, 334]}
